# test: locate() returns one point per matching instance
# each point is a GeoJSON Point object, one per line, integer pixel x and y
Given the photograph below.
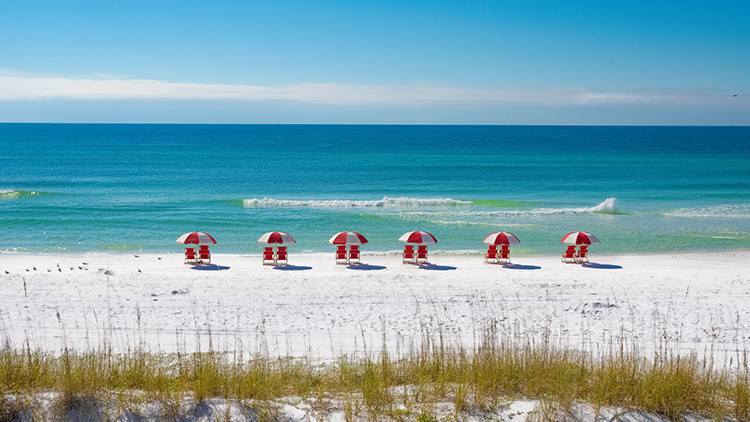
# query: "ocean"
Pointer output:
{"type": "Point", "coordinates": [136, 188]}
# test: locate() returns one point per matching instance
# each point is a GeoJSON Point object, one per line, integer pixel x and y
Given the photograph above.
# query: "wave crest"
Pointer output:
{"type": "Point", "coordinates": [402, 202]}
{"type": "Point", "coordinates": [12, 194]}
{"type": "Point", "coordinates": [608, 206]}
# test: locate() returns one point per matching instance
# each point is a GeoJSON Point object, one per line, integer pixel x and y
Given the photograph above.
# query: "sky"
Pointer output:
{"type": "Point", "coordinates": [376, 62]}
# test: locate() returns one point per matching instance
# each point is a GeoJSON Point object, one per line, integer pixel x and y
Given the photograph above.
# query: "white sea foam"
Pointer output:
{"type": "Point", "coordinates": [718, 211]}
{"type": "Point", "coordinates": [402, 202]}
{"type": "Point", "coordinates": [10, 193]}
{"type": "Point", "coordinates": [608, 206]}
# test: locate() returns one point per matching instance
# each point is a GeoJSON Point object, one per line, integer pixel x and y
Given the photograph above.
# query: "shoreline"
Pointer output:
{"type": "Point", "coordinates": [365, 253]}
{"type": "Point", "coordinates": [693, 301]}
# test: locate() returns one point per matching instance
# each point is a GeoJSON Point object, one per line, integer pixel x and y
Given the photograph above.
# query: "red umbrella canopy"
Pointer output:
{"type": "Point", "coordinates": [276, 237]}
{"type": "Point", "coordinates": [196, 238]}
{"type": "Point", "coordinates": [502, 238]}
{"type": "Point", "coordinates": [347, 238]}
{"type": "Point", "coordinates": [417, 237]}
{"type": "Point", "coordinates": [579, 238]}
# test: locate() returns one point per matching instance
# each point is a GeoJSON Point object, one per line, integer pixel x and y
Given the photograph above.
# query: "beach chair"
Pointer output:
{"type": "Point", "coordinates": [190, 257]}
{"type": "Point", "coordinates": [408, 255]}
{"type": "Point", "coordinates": [204, 254]}
{"type": "Point", "coordinates": [354, 254]}
{"type": "Point", "coordinates": [422, 254]}
{"type": "Point", "coordinates": [504, 255]}
{"type": "Point", "coordinates": [490, 257]}
{"type": "Point", "coordinates": [281, 258]}
{"type": "Point", "coordinates": [569, 256]}
{"type": "Point", "coordinates": [341, 257]}
{"type": "Point", "coordinates": [582, 254]}
{"type": "Point", "coordinates": [268, 256]}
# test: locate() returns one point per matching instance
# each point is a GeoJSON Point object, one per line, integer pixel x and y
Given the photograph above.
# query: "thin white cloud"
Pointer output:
{"type": "Point", "coordinates": [15, 88]}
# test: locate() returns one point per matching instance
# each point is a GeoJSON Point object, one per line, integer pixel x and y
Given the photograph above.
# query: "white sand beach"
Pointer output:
{"type": "Point", "coordinates": [697, 301]}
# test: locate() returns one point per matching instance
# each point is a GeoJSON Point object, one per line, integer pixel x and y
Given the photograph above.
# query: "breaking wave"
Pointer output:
{"type": "Point", "coordinates": [12, 194]}
{"type": "Point", "coordinates": [338, 203]}
{"type": "Point", "coordinates": [608, 206]}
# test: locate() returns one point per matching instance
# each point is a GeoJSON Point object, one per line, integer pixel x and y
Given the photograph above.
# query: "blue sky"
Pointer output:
{"type": "Point", "coordinates": [464, 62]}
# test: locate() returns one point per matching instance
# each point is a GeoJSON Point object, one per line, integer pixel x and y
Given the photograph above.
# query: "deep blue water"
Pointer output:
{"type": "Point", "coordinates": [79, 187]}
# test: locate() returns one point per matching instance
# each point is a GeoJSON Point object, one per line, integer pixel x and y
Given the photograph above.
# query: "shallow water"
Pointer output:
{"type": "Point", "coordinates": [138, 187]}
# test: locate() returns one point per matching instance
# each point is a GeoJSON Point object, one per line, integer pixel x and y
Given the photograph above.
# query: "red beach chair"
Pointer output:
{"type": "Point", "coordinates": [204, 254]}
{"type": "Point", "coordinates": [354, 254]}
{"type": "Point", "coordinates": [569, 256]}
{"type": "Point", "coordinates": [504, 257]}
{"type": "Point", "coordinates": [268, 258]}
{"type": "Point", "coordinates": [341, 257]}
{"type": "Point", "coordinates": [190, 257]}
{"type": "Point", "coordinates": [490, 256]}
{"type": "Point", "coordinates": [582, 255]}
{"type": "Point", "coordinates": [408, 255]}
{"type": "Point", "coordinates": [422, 254]}
{"type": "Point", "coordinates": [281, 256]}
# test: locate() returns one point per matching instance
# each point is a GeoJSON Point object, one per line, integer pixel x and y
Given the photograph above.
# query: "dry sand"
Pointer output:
{"type": "Point", "coordinates": [698, 302]}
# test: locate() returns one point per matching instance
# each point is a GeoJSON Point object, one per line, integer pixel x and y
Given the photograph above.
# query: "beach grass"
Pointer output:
{"type": "Point", "coordinates": [412, 384]}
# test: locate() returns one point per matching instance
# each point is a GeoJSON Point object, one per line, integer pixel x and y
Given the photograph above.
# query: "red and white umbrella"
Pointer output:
{"type": "Point", "coordinates": [347, 238]}
{"type": "Point", "coordinates": [579, 238]}
{"type": "Point", "coordinates": [196, 238]}
{"type": "Point", "coordinates": [417, 237]}
{"type": "Point", "coordinates": [276, 237]}
{"type": "Point", "coordinates": [502, 238]}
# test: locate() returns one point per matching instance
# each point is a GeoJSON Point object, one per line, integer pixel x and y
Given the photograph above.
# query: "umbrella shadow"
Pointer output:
{"type": "Point", "coordinates": [365, 267]}
{"type": "Point", "coordinates": [292, 268]}
{"type": "Point", "coordinates": [209, 267]}
{"type": "Point", "coordinates": [602, 266]}
{"type": "Point", "coordinates": [435, 267]}
{"type": "Point", "coordinates": [521, 267]}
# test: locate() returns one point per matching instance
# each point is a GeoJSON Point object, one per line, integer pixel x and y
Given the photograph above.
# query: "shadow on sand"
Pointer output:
{"type": "Point", "coordinates": [292, 268]}
{"type": "Point", "coordinates": [435, 267]}
{"type": "Point", "coordinates": [365, 267]}
{"type": "Point", "coordinates": [209, 267]}
{"type": "Point", "coordinates": [522, 267]}
{"type": "Point", "coordinates": [602, 266]}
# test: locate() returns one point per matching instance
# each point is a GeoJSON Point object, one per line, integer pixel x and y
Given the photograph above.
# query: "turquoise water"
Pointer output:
{"type": "Point", "coordinates": [138, 187]}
